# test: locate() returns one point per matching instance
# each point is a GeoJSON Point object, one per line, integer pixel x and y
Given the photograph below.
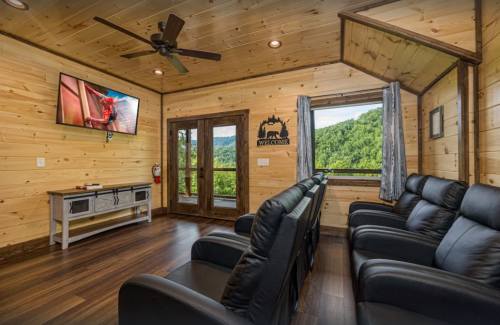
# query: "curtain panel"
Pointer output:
{"type": "Point", "coordinates": [305, 164]}
{"type": "Point", "coordinates": [394, 174]}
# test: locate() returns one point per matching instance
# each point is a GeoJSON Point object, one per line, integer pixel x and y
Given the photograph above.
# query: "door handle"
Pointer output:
{"type": "Point", "coordinates": [201, 172]}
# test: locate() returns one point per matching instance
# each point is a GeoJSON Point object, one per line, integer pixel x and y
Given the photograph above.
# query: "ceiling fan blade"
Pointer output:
{"type": "Point", "coordinates": [137, 54]}
{"type": "Point", "coordinates": [200, 54]}
{"type": "Point", "coordinates": [121, 29]}
{"type": "Point", "coordinates": [173, 28]}
{"type": "Point", "coordinates": [177, 64]}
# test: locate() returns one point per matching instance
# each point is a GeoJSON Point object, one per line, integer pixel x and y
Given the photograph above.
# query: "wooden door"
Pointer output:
{"type": "Point", "coordinates": [208, 166]}
{"type": "Point", "coordinates": [186, 170]}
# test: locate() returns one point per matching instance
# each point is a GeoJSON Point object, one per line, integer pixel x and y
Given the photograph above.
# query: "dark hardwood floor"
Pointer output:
{"type": "Point", "coordinates": [80, 285]}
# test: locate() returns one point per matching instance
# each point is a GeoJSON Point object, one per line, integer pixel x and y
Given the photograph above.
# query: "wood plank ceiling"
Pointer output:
{"type": "Point", "coordinates": [238, 29]}
{"type": "Point", "coordinates": [392, 58]}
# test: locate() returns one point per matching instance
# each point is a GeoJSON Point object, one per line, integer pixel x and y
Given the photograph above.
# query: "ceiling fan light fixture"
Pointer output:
{"type": "Point", "coordinates": [158, 72]}
{"type": "Point", "coordinates": [274, 44]}
{"type": "Point", "coordinates": [17, 4]}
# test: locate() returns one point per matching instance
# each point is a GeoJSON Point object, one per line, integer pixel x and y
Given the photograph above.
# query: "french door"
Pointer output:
{"type": "Point", "coordinates": [208, 166]}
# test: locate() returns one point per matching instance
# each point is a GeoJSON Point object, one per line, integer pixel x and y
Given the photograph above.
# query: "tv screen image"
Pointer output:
{"type": "Point", "coordinates": [84, 104]}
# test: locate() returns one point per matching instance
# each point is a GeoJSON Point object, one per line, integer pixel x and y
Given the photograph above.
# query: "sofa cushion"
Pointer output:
{"type": "Point", "coordinates": [195, 275]}
{"type": "Point", "coordinates": [411, 196]}
{"type": "Point", "coordinates": [435, 213]}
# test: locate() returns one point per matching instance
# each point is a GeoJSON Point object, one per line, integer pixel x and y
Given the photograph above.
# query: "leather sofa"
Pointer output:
{"type": "Point", "coordinates": [322, 181]}
{"type": "Point", "coordinates": [370, 213]}
{"type": "Point", "coordinates": [228, 281]}
{"type": "Point", "coordinates": [429, 222]}
{"type": "Point", "coordinates": [456, 281]}
{"type": "Point", "coordinates": [310, 188]}
{"type": "Point", "coordinates": [432, 216]}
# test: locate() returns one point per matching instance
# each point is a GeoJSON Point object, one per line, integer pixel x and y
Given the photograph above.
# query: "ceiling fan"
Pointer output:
{"type": "Point", "coordinates": [164, 43]}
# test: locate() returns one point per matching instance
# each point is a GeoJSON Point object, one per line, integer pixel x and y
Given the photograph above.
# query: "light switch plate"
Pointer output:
{"type": "Point", "coordinates": [40, 162]}
{"type": "Point", "coordinates": [263, 162]}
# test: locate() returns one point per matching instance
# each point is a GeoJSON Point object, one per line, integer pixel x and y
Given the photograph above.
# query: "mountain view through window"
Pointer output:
{"type": "Point", "coordinates": [348, 138]}
{"type": "Point", "coordinates": [224, 154]}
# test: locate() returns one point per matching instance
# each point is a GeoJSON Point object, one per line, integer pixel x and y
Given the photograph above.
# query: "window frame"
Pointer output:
{"type": "Point", "coordinates": [340, 101]}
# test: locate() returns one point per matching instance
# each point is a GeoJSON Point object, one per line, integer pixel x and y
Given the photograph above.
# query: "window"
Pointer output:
{"type": "Point", "coordinates": [348, 139]}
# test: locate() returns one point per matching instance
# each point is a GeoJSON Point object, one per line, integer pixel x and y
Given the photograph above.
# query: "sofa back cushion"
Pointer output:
{"type": "Point", "coordinates": [411, 196]}
{"type": "Point", "coordinates": [472, 246]}
{"type": "Point", "coordinates": [313, 194]}
{"type": "Point", "coordinates": [305, 185]}
{"type": "Point", "coordinates": [257, 282]}
{"type": "Point", "coordinates": [435, 213]}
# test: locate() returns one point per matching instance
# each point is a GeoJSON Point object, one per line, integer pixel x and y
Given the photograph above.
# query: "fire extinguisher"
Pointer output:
{"type": "Point", "coordinates": [157, 173]}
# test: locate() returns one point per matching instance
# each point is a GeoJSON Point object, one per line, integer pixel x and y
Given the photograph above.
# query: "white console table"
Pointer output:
{"type": "Point", "coordinates": [69, 205]}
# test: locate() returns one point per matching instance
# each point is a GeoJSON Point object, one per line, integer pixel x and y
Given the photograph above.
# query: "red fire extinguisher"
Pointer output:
{"type": "Point", "coordinates": [157, 173]}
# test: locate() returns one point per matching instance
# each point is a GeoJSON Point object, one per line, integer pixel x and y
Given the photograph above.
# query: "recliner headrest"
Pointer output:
{"type": "Point", "coordinates": [482, 204]}
{"type": "Point", "coordinates": [317, 179]}
{"type": "Point", "coordinates": [305, 185]}
{"type": "Point", "coordinates": [415, 183]}
{"type": "Point", "coordinates": [269, 216]}
{"type": "Point", "coordinates": [444, 192]}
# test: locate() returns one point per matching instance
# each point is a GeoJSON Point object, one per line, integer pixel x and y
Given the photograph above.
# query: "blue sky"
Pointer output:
{"type": "Point", "coordinates": [328, 117]}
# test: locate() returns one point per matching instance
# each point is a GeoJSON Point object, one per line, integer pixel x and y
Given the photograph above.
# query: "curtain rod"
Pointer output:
{"type": "Point", "coordinates": [352, 92]}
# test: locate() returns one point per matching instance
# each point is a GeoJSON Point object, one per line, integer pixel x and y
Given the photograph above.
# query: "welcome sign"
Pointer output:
{"type": "Point", "coordinates": [273, 132]}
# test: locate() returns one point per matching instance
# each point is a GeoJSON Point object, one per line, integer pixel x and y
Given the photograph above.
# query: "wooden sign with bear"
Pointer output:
{"type": "Point", "coordinates": [272, 132]}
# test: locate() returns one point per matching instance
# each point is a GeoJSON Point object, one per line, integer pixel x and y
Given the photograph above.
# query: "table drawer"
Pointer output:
{"type": "Point", "coordinates": [79, 206]}
{"type": "Point", "coordinates": [105, 202]}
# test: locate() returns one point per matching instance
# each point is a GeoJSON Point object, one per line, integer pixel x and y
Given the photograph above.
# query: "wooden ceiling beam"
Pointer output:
{"type": "Point", "coordinates": [430, 42]}
{"type": "Point", "coordinates": [373, 5]}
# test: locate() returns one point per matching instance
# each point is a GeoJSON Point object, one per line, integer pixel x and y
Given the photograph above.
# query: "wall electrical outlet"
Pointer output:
{"type": "Point", "coordinates": [40, 162]}
{"type": "Point", "coordinates": [263, 162]}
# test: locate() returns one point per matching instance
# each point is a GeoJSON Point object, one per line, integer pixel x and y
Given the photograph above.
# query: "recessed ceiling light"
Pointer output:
{"type": "Point", "coordinates": [274, 44]}
{"type": "Point", "coordinates": [17, 4]}
{"type": "Point", "coordinates": [158, 72]}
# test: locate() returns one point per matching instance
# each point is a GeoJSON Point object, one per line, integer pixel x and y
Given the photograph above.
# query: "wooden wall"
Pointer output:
{"type": "Point", "coordinates": [440, 156]}
{"type": "Point", "coordinates": [450, 21]}
{"type": "Point", "coordinates": [489, 95]}
{"type": "Point", "coordinates": [28, 129]}
{"type": "Point", "coordinates": [277, 94]}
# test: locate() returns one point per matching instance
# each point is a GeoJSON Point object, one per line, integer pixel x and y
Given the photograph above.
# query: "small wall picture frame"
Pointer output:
{"type": "Point", "coordinates": [436, 123]}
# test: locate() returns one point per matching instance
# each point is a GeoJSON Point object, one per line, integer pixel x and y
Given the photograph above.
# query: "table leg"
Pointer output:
{"type": "Point", "coordinates": [53, 223]}
{"type": "Point", "coordinates": [149, 206]}
{"type": "Point", "coordinates": [65, 232]}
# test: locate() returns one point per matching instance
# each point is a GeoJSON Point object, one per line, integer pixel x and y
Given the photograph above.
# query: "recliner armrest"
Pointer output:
{"type": "Point", "coordinates": [243, 225]}
{"type": "Point", "coordinates": [435, 293]}
{"type": "Point", "coordinates": [411, 247]}
{"type": "Point", "coordinates": [217, 250]}
{"type": "Point", "coordinates": [152, 300]}
{"type": "Point", "coordinates": [376, 218]}
{"type": "Point", "coordinates": [362, 205]}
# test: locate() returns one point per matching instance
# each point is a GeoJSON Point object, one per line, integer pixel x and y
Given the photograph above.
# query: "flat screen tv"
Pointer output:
{"type": "Point", "coordinates": [84, 104]}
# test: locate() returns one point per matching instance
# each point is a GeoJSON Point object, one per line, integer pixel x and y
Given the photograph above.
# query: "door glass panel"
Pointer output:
{"type": "Point", "coordinates": [225, 189]}
{"type": "Point", "coordinates": [224, 146]}
{"type": "Point", "coordinates": [188, 163]}
{"type": "Point", "coordinates": [188, 194]}
{"type": "Point", "coordinates": [224, 166]}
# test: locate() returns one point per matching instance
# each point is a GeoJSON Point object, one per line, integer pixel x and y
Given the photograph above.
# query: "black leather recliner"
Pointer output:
{"type": "Point", "coordinates": [309, 188]}
{"type": "Point", "coordinates": [322, 182]}
{"type": "Point", "coordinates": [229, 282]}
{"type": "Point", "coordinates": [434, 213]}
{"type": "Point", "coordinates": [378, 214]}
{"type": "Point", "coordinates": [457, 282]}
{"type": "Point", "coordinates": [428, 223]}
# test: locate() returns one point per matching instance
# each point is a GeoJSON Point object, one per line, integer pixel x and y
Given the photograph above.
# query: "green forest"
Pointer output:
{"type": "Point", "coordinates": [352, 144]}
{"type": "Point", "coordinates": [224, 157]}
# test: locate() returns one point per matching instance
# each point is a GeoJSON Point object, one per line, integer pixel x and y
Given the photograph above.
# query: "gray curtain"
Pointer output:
{"type": "Point", "coordinates": [393, 152]}
{"type": "Point", "coordinates": [304, 145]}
